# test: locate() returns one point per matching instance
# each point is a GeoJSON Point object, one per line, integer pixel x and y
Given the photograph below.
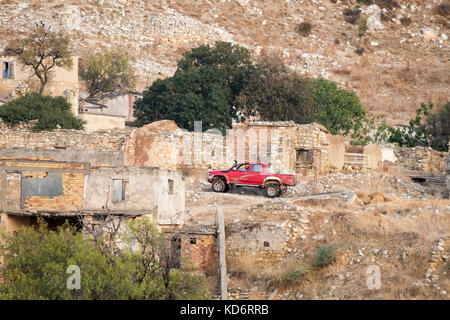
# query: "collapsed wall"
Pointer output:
{"type": "Point", "coordinates": [421, 158]}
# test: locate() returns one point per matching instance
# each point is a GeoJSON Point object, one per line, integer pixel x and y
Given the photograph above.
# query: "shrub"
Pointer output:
{"type": "Point", "coordinates": [34, 265]}
{"type": "Point", "coordinates": [387, 4]}
{"type": "Point", "coordinates": [291, 277]}
{"type": "Point", "coordinates": [325, 255]}
{"type": "Point", "coordinates": [107, 72]}
{"type": "Point", "coordinates": [362, 27]}
{"type": "Point", "coordinates": [351, 15]}
{"type": "Point", "coordinates": [304, 28]}
{"type": "Point", "coordinates": [367, 2]}
{"type": "Point", "coordinates": [405, 21]}
{"type": "Point", "coordinates": [359, 51]}
{"type": "Point", "coordinates": [443, 9]}
{"type": "Point", "coordinates": [429, 128]}
{"type": "Point", "coordinates": [50, 112]}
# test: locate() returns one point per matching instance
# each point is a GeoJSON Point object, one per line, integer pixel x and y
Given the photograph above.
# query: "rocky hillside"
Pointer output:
{"type": "Point", "coordinates": [400, 61]}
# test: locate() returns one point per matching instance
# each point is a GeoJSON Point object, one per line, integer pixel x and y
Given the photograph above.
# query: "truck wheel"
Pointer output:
{"type": "Point", "coordinates": [219, 186]}
{"type": "Point", "coordinates": [272, 190]}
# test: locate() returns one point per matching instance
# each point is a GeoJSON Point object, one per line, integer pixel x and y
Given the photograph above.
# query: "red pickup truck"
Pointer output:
{"type": "Point", "coordinates": [250, 175]}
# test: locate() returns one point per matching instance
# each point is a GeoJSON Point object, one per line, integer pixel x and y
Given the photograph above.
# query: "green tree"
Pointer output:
{"type": "Point", "coordinates": [204, 88]}
{"type": "Point", "coordinates": [43, 50]}
{"type": "Point", "coordinates": [274, 93]}
{"type": "Point", "coordinates": [107, 72]}
{"type": "Point", "coordinates": [50, 112]}
{"type": "Point", "coordinates": [430, 128]}
{"type": "Point", "coordinates": [34, 265]}
{"type": "Point", "coordinates": [340, 111]}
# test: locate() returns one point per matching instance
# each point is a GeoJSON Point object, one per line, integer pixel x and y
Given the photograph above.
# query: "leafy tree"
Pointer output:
{"type": "Point", "coordinates": [276, 94]}
{"type": "Point", "coordinates": [50, 112]}
{"type": "Point", "coordinates": [430, 128]}
{"type": "Point", "coordinates": [204, 88]}
{"type": "Point", "coordinates": [107, 72]}
{"type": "Point", "coordinates": [339, 110]}
{"type": "Point", "coordinates": [34, 265]}
{"type": "Point", "coordinates": [43, 50]}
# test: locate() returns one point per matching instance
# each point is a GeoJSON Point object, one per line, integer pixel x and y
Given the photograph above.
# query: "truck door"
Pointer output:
{"type": "Point", "coordinates": [254, 176]}
{"type": "Point", "coordinates": [239, 173]}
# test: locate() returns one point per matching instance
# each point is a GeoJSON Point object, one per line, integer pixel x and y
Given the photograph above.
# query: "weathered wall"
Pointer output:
{"type": "Point", "coordinates": [102, 121]}
{"type": "Point", "coordinates": [29, 186]}
{"type": "Point", "coordinates": [421, 158]}
{"type": "Point", "coordinates": [13, 223]}
{"type": "Point", "coordinates": [147, 191]}
{"type": "Point", "coordinates": [104, 147]}
{"type": "Point", "coordinates": [94, 157]}
{"type": "Point", "coordinates": [198, 250]}
{"type": "Point", "coordinates": [374, 156]}
{"type": "Point", "coordinates": [271, 235]}
{"type": "Point", "coordinates": [23, 137]}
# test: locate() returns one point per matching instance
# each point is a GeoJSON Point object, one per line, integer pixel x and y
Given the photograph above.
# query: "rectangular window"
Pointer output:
{"type": "Point", "coordinates": [5, 70]}
{"type": "Point", "coordinates": [257, 168]}
{"type": "Point", "coordinates": [119, 189]}
{"type": "Point", "coordinates": [8, 70]}
{"type": "Point", "coordinates": [170, 182]}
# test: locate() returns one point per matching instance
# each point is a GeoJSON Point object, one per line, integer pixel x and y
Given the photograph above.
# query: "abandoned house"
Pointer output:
{"type": "Point", "coordinates": [56, 189]}
{"type": "Point", "coordinates": [108, 111]}
{"type": "Point", "coordinates": [16, 79]}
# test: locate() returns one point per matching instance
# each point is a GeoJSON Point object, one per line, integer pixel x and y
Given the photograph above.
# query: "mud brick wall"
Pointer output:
{"type": "Point", "coordinates": [202, 254]}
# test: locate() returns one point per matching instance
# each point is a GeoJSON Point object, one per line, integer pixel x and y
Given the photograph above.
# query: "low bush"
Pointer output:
{"type": "Point", "coordinates": [325, 255]}
{"type": "Point", "coordinates": [304, 28]}
{"type": "Point", "coordinates": [443, 9]}
{"type": "Point", "coordinates": [362, 27]}
{"type": "Point", "coordinates": [367, 2]}
{"type": "Point", "coordinates": [405, 21]}
{"type": "Point", "coordinates": [291, 277]}
{"type": "Point", "coordinates": [50, 112]}
{"type": "Point", "coordinates": [351, 15]}
{"type": "Point", "coordinates": [387, 4]}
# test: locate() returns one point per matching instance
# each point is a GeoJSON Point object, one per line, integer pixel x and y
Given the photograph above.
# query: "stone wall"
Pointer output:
{"type": "Point", "coordinates": [23, 137]}
{"type": "Point", "coordinates": [421, 158]}
{"type": "Point", "coordinates": [271, 236]}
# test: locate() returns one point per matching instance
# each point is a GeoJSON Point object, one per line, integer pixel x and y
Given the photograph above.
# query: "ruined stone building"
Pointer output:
{"type": "Point", "coordinates": [68, 172]}
{"type": "Point", "coordinates": [58, 189]}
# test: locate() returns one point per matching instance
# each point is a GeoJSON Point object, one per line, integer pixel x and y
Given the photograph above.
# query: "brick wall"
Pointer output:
{"type": "Point", "coordinates": [71, 199]}
{"type": "Point", "coordinates": [17, 172]}
{"type": "Point", "coordinates": [202, 254]}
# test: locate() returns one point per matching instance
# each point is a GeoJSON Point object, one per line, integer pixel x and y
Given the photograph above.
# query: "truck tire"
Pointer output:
{"type": "Point", "coordinates": [272, 190]}
{"type": "Point", "coordinates": [219, 186]}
